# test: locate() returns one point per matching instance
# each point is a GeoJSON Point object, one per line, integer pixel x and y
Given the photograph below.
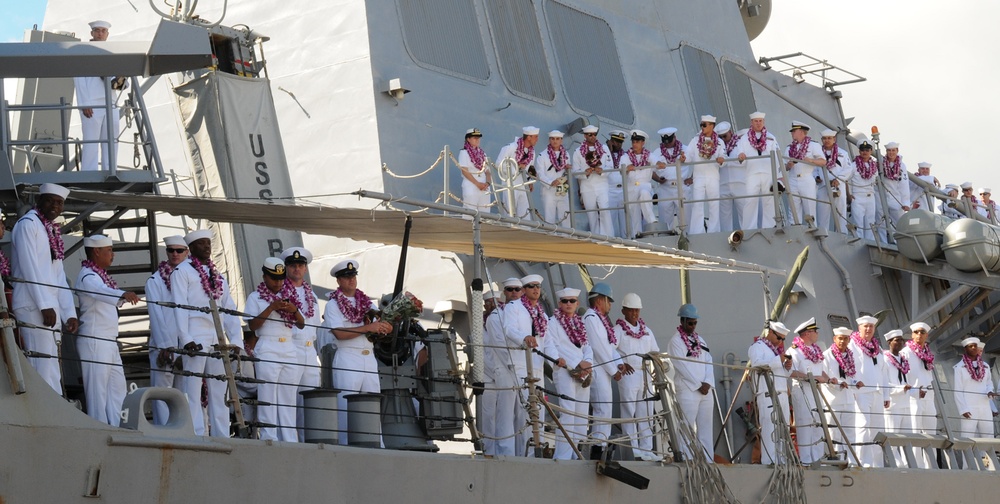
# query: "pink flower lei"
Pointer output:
{"type": "Point", "coordinates": [707, 145]}
{"type": "Point", "coordinates": [977, 372]}
{"type": "Point", "coordinates": [477, 155]}
{"type": "Point", "coordinates": [671, 152]}
{"type": "Point", "coordinates": [612, 338]}
{"type": "Point", "coordinates": [797, 150]}
{"type": "Point", "coordinates": [573, 325]}
{"type": "Point", "coordinates": [870, 348]}
{"type": "Point", "coordinates": [290, 293]}
{"type": "Point", "coordinates": [923, 352]}
{"type": "Point", "coordinates": [355, 313]}
{"type": "Point", "coordinates": [269, 297]}
{"type": "Point", "coordinates": [598, 150]}
{"type": "Point", "coordinates": [4, 265]}
{"type": "Point", "coordinates": [731, 143]}
{"type": "Point", "coordinates": [867, 169]}
{"type": "Point", "coordinates": [522, 154]}
{"type": "Point", "coordinates": [616, 158]}
{"type": "Point", "coordinates": [777, 349]}
{"type": "Point", "coordinates": [110, 282]}
{"type": "Point", "coordinates": [55, 237]}
{"type": "Point", "coordinates": [211, 281]}
{"type": "Point", "coordinates": [758, 140]}
{"type": "Point", "coordinates": [898, 362]}
{"type": "Point", "coordinates": [893, 169]}
{"type": "Point", "coordinates": [831, 160]}
{"type": "Point", "coordinates": [640, 160]}
{"type": "Point", "coordinates": [165, 269]}
{"type": "Point", "coordinates": [558, 160]}
{"type": "Point", "coordinates": [539, 322]}
{"type": "Point", "coordinates": [846, 363]}
{"type": "Point", "coordinates": [691, 342]}
{"type": "Point", "coordinates": [812, 352]}
{"type": "Point", "coordinates": [628, 328]}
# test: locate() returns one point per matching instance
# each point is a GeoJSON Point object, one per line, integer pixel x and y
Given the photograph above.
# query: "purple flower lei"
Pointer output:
{"type": "Point", "coordinates": [774, 348]}
{"type": "Point", "coordinates": [690, 341]}
{"type": "Point", "coordinates": [165, 269]}
{"type": "Point", "coordinates": [899, 363]}
{"type": "Point", "coordinates": [671, 152]}
{"type": "Point", "coordinates": [477, 155]}
{"type": "Point", "coordinates": [923, 352]}
{"type": "Point", "coordinates": [110, 282]}
{"type": "Point", "coordinates": [292, 294]}
{"type": "Point", "coordinates": [831, 160]}
{"type": "Point", "coordinates": [598, 150]}
{"type": "Point", "coordinates": [539, 322]}
{"type": "Point", "coordinates": [707, 145]}
{"type": "Point", "coordinates": [846, 363]}
{"type": "Point", "coordinates": [640, 160]}
{"type": "Point", "coordinates": [977, 373]}
{"type": "Point", "coordinates": [612, 338]}
{"type": "Point", "coordinates": [812, 352]}
{"type": "Point", "coordinates": [523, 155]}
{"type": "Point", "coordinates": [211, 281]}
{"type": "Point", "coordinates": [870, 348]}
{"type": "Point", "coordinates": [573, 325]}
{"type": "Point", "coordinates": [354, 314]}
{"type": "Point", "coordinates": [628, 329]}
{"type": "Point", "coordinates": [894, 169]}
{"type": "Point", "coordinates": [867, 169]}
{"type": "Point", "coordinates": [758, 140]}
{"type": "Point", "coordinates": [269, 297]}
{"type": "Point", "coordinates": [4, 265]}
{"type": "Point", "coordinates": [798, 149]}
{"type": "Point", "coordinates": [558, 160]}
{"type": "Point", "coordinates": [55, 237]}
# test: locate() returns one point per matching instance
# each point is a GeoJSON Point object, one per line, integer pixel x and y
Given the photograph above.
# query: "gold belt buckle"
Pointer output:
{"type": "Point", "coordinates": [282, 340]}
{"type": "Point", "coordinates": [365, 352]}
{"type": "Point", "coordinates": [309, 343]}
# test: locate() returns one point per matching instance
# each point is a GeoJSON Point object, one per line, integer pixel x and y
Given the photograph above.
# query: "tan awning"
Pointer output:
{"type": "Point", "coordinates": [437, 232]}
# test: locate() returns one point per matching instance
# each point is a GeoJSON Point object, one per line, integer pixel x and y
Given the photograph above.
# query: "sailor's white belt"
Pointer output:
{"type": "Point", "coordinates": [361, 351]}
{"type": "Point", "coordinates": [672, 183]}
{"type": "Point", "coordinates": [279, 339]}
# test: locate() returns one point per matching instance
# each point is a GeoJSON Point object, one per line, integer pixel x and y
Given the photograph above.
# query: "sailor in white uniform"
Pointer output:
{"type": "Point", "coordinates": [706, 147]}
{"type": "Point", "coordinates": [476, 175]}
{"type": "Point", "coordinates": [616, 198]}
{"type": "Point", "coordinates": [591, 166]}
{"type": "Point", "coordinates": [833, 185]}
{"type": "Point", "coordinates": [974, 392]}
{"type": "Point", "coordinates": [920, 198]}
{"type": "Point", "coordinates": [570, 346]}
{"type": "Point", "coordinates": [97, 342]}
{"type": "Point", "coordinates": [899, 389]}
{"type": "Point", "coordinates": [732, 181]}
{"type": "Point", "coordinates": [522, 152]}
{"type": "Point", "coordinates": [604, 344]}
{"type": "Point", "coordinates": [488, 399]}
{"type": "Point", "coordinates": [354, 366]}
{"type": "Point", "coordinates": [757, 142]}
{"type": "Point", "coordinates": [638, 178]}
{"type": "Point", "coordinates": [508, 381]}
{"type": "Point", "coordinates": [192, 282]}
{"type": "Point", "coordinates": [803, 155]}
{"type": "Point", "coordinates": [668, 185]}
{"type": "Point", "coordinates": [553, 172]}
{"type": "Point", "coordinates": [921, 376]}
{"type": "Point", "coordinates": [694, 380]}
{"type": "Point", "coordinates": [300, 293]}
{"type": "Point", "coordinates": [44, 298]}
{"type": "Point", "coordinates": [869, 389]}
{"type": "Point", "coordinates": [948, 208]}
{"type": "Point", "coordinates": [807, 359]}
{"type": "Point", "coordinates": [769, 353]}
{"type": "Point", "coordinates": [862, 185]}
{"type": "Point", "coordinates": [897, 184]}
{"type": "Point", "coordinates": [525, 325]}
{"type": "Point", "coordinates": [163, 323]}
{"type": "Point", "coordinates": [90, 95]}
{"type": "Point", "coordinates": [272, 317]}
{"type": "Point", "coordinates": [840, 364]}
{"type": "Point", "coordinates": [635, 339]}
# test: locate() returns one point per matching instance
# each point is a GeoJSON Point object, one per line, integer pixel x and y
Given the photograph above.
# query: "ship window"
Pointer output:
{"type": "Point", "coordinates": [518, 42]}
{"type": "Point", "coordinates": [588, 62]}
{"type": "Point", "coordinates": [707, 92]}
{"type": "Point", "coordinates": [444, 36]}
{"type": "Point", "coordinates": [740, 94]}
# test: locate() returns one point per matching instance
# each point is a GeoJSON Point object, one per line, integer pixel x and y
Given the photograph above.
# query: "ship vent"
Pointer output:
{"type": "Point", "coordinates": [740, 94]}
{"type": "Point", "coordinates": [518, 41]}
{"type": "Point", "coordinates": [705, 80]}
{"type": "Point", "coordinates": [580, 37]}
{"type": "Point", "coordinates": [445, 36]}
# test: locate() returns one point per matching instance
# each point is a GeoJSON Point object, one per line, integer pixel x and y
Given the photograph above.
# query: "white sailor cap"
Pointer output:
{"type": "Point", "coordinates": [529, 130]}
{"type": "Point", "coordinates": [632, 300]}
{"type": "Point", "coordinates": [828, 133]}
{"type": "Point", "coordinates": [555, 134]}
{"type": "Point", "coordinates": [97, 241]}
{"type": "Point", "coordinates": [194, 236]}
{"type": "Point", "coordinates": [531, 279]}
{"type": "Point", "coordinates": [512, 282]}
{"type": "Point", "coordinates": [757, 115]}
{"type": "Point", "coordinates": [568, 292]}
{"type": "Point", "coordinates": [920, 325]}
{"type": "Point", "coordinates": [638, 134]}
{"type": "Point", "coordinates": [777, 327]}
{"type": "Point", "coordinates": [893, 334]}
{"type": "Point", "coordinates": [867, 319]}
{"type": "Point", "coordinates": [799, 125]}
{"type": "Point", "coordinates": [175, 241]}
{"type": "Point", "coordinates": [346, 268]}
{"type": "Point", "coordinates": [296, 255]}
{"type": "Point", "coordinates": [923, 164]}
{"type": "Point", "coordinates": [951, 187]}
{"type": "Point", "coordinates": [966, 185]}
{"type": "Point", "coordinates": [985, 190]}
{"type": "Point", "coordinates": [842, 331]}
{"type": "Point", "coordinates": [274, 266]}
{"type": "Point", "coordinates": [99, 24]}
{"type": "Point", "coordinates": [53, 189]}
{"type": "Point", "coordinates": [473, 132]}
{"type": "Point", "coordinates": [973, 341]}
{"type": "Point", "coordinates": [489, 294]}
{"type": "Point", "coordinates": [892, 145]}
{"type": "Point", "coordinates": [667, 131]}
{"type": "Point", "coordinates": [708, 119]}
{"type": "Point", "coordinates": [723, 127]}
{"type": "Point", "coordinates": [590, 128]}
{"type": "Point", "coordinates": [809, 325]}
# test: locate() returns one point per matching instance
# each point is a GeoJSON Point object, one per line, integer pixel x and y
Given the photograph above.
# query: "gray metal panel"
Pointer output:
{"type": "Point", "coordinates": [584, 43]}
{"type": "Point", "coordinates": [444, 36]}
{"type": "Point", "coordinates": [705, 81]}
{"type": "Point", "coordinates": [520, 53]}
{"type": "Point", "coordinates": [740, 94]}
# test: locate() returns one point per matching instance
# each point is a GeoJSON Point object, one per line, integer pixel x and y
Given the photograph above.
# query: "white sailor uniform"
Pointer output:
{"type": "Point", "coordinates": [97, 342]}
{"type": "Point", "coordinates": [706, 186]}
{"type": "Point", "coordinates": [517, 325]}
{"type": "Point", "coordinates": [921, 376]}
{"type": "Point", "coordinates": [732, 184]}
{"type": "Point", "coordinates": [758, 181]}
{"type": "Point", "coordinates": [90, 94]}
{"type": "Point", "coordinates": [863, 203]}
{"type": "Point", "coordinates": [278, 370]}
{"type": "Point", "coordinates": [355, 369]}
{"type": "Point", "coordinates": [308, 353]}
{"type": "Point", "coordinates": [971, 396]}
{"type": "Point", "coordinates": [473, 197]}
{"type": "Point", "coordinates": [555, 206]}
{"type": "Point", "coordinates": [521, 208]}
{"type": "Point", "coordinates": [841, 171]}
{"type": "Point", "coordinates": [802, 181]}
{"type": "Point", "coordinates": [808, 429]}
{"type": "Point", "coordinates": [594, 189]}
{"type": "Point", "coordinates": [605, 362]}
{"type": "Point", "coordinates": [870, 400]}
{"type": "Point", "coordinates": [771, 444]}
{"type": "Point", "coordinates": [667, 192]}
{"type": "Point", "coordinates": [162, 335]}
{"type": "Point", "coordinates": [574, 419]}
{"type": "Point", "coordinates": [697, 408]}
{"type": "Point", "coordinates": [631, 388]}
{"type": "Point", "coordinates": [842, 401]}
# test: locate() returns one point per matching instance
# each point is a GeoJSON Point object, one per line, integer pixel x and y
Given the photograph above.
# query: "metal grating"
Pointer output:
{"type": "Point", "coordinates": [444, 36]}
{"type": "Point", "coordinates": [518, 41]}
{"type": "Point", "coordinates": [740, 94]}
{"type": "Point", "coordinates": [582, 44]}
{"type": "Point", "coordinates": [707, 92]}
